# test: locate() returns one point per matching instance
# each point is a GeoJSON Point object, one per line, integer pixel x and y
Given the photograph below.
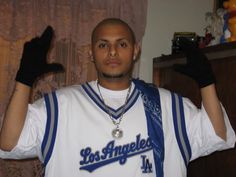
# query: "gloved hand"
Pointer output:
{"type": "Point", "coordinates": [197, 67]}
{"type": "Point", "coordinates": [34, 59]}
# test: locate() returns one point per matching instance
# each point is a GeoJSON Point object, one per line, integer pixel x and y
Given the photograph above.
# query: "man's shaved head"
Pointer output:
{"type": "Point", "coordinates": [112, 21]}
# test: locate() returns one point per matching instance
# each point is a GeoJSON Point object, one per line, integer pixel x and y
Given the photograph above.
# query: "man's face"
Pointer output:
{"type": "Point", "coordinates": [113, 51]}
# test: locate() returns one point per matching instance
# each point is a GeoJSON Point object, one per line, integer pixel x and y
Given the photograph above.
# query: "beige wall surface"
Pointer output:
{"type": "Point", "coordinates": [164, 17]}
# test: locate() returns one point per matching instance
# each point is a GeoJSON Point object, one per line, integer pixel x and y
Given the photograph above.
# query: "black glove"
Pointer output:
{"type": "Point", "coordinates": [34, 59]}
{"type": "Point", "coordinates": [197, 67]}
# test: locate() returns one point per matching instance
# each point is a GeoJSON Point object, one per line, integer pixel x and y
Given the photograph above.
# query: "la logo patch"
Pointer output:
{"type": "Point", "coordinates": [146, 165]}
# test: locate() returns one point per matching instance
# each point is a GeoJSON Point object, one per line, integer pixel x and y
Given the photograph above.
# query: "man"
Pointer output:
{"type": "Point", "coordinates": [116, 125]}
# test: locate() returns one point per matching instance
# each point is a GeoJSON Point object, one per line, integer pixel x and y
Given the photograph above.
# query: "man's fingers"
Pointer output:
{"type": "Point", "coordinates": [47, 34]}
{"type": "Point", "coordinates": [54, 67]}
{"type": "Point", "coordinates": [46, 37]}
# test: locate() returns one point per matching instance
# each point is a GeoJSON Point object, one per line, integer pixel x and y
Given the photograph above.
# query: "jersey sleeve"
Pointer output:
{"type": "Point", "coordinates": [29, 143]}
{"type": "Point", "coordinates": [202, 137]}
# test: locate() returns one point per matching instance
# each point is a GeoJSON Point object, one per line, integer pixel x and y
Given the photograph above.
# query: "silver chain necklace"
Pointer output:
{"type": "Point", "coordinates": [116, 133]}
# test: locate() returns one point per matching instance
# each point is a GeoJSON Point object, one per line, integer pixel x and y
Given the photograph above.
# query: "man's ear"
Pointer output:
{"type": "Point", "coordinates": [91, 54]}
{"type": "Point", "coordinates": [136, 51]}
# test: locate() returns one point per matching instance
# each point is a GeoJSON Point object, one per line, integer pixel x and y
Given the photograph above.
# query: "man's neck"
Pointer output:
{"type": "Point", "coordinates": [115, 84]}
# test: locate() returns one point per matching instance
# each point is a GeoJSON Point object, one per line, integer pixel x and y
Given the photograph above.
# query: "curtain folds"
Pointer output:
{"type": "Point", "coordinates": [73, 21]}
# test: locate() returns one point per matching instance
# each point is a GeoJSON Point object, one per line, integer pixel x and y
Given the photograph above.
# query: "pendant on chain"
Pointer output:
{"type": "Point", "coordinates": [117, 133]}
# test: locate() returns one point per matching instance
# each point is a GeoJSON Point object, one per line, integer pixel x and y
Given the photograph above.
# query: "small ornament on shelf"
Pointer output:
{"type": "Point", "coordinates": [230, 6]}
{"type": "Point", "coordinates": [214, 31]}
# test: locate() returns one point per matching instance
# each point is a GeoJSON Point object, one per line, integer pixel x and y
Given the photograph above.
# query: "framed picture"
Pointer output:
{"type": "Point", "coordinates": [219, 4]}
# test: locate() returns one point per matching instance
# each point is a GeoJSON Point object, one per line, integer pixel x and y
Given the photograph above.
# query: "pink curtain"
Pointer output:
{"type": "Point", "coordinates": [73, 21]}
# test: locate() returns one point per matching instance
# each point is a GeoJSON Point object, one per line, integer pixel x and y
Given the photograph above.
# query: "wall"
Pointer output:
{"type": "Point", "coordinates": [164, 17]}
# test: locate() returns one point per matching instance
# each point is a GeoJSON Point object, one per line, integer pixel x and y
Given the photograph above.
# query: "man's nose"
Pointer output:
{"type": "Point", "coordinates": [112, 51]}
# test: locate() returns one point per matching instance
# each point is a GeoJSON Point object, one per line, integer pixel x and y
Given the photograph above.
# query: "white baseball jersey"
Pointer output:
{"type": "Point", "coordinates": [78, 142]}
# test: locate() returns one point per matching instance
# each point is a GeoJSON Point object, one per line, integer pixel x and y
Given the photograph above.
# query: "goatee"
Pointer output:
{"type": "Point", "coordinates": [110, 76]}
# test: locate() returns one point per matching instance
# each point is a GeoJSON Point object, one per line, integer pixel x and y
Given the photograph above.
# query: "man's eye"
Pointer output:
{"type": "Point", "coordinates": [102, 45]}
{"type": "Point", "coordinates": [123, 44]}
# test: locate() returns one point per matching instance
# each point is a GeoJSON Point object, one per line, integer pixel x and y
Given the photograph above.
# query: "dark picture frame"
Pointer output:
{"type": "Point", "coordinates": [219, 4]}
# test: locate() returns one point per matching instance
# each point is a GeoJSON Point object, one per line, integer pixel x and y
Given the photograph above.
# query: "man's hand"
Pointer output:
{"type": "Point", "coordinates": [197, 66]}
{"type": "Point", "coordinates": [34, 59]}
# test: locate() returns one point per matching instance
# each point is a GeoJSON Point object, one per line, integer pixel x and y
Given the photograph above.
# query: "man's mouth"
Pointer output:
{"type": "Point", "coordinates": [113, 62]}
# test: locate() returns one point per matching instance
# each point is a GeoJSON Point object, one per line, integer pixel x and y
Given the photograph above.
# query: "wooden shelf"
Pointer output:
{"type": "Point", "coordinates": [223, 61]}
{"type": "Point", "coordinates": [219, 51]}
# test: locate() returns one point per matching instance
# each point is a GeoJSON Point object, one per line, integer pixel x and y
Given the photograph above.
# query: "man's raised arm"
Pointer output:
{"type": "Point", "coordinates": [33, 65]}
{"type": "Point", "coordinates": [199, 69]}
